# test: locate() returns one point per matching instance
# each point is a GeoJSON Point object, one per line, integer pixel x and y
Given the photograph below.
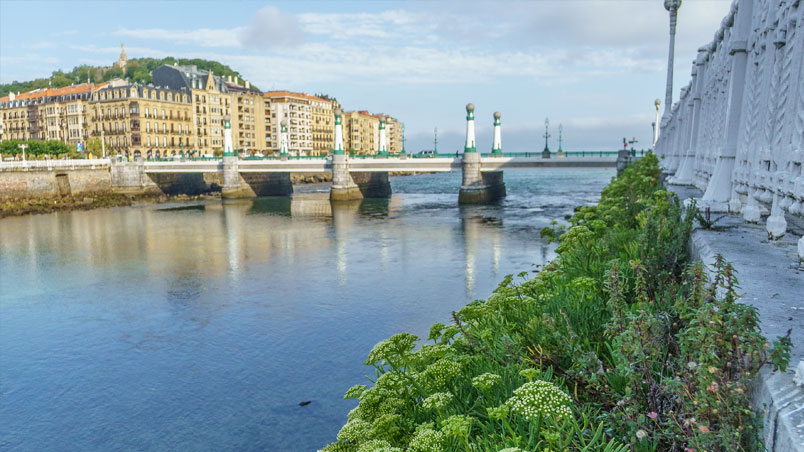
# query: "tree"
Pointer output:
{"type": "Point", "coordinates": [94, 146]}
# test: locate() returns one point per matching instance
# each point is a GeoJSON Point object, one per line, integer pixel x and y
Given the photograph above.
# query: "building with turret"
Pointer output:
{"type": "Point", "coordinates": [211, 101]}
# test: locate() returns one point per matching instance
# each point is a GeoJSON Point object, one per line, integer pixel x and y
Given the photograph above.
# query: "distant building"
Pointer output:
{"type": "Point", "coordinates": [322, 122]}
{"type": "Point", "coordinates": [48, 114]}
{"type": "Point", "coordinates": [360, 132]}
{"type": "Point", "coordinates": [295, 107]}
{"type": "Point", "coordinates": [211, 101]}
{"type": "Point", "coordinates": [248, 117]}
{"type": "Point", "coordinates": [142, 120]}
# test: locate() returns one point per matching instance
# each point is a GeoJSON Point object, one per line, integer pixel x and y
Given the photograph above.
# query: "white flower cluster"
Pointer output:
{"type": "Point", "coordinates": [457, 426]}
{"type": "Point", "coordinates": [437, 401]}
{"type": "Point", "coordinates": [354, 392]}
{"type": "Point", "coordinates": [377, 445]}
{"type": "Point", "coordinates": [427, 440]}
{"type": "Point", "coordinates": [432, 352]}
{"type": "Point", "coordinates": [395, 346]}
{"type": "Point", "coordinates": [354, 430]}
{"type": "Point", "coordinates": [442, 371]}
{"type": "Point", "coordinates": [540, 398]}
{"type": "Point", "coordinates": [486, 381]}
{"type": "Point", "coordinates": [512, 449]}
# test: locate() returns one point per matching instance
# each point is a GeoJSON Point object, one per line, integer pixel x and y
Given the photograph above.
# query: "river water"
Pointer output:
{"type": "Point", "coordinates": [201, 327]}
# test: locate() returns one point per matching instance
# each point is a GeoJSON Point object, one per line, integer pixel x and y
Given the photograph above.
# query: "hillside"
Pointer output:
{"type": "Point", "coordinates": [137, 70]}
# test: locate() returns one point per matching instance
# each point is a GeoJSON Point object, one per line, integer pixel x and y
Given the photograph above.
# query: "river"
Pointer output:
{"type": "Point", "coordinates": [201, 327]}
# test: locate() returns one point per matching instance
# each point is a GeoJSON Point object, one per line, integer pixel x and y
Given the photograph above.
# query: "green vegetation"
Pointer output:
{"type": "Point", "coordinates": [137, 70]}
{"type": "Point", "coordinates": [37, 148]}
{"type": "Point", "coordinates": [620, 344]}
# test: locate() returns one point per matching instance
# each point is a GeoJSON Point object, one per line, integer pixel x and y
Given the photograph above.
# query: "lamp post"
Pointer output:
{"type": "Point", "coordinates": [672, 6]}
{"type": "Point", "coordinates": [22, 146]}
{"type": "Point", "coordinates": [546, 151]}
{"type": "Point", "coordinates": [103, 143]}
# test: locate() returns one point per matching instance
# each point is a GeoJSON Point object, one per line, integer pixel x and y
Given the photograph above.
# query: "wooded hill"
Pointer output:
{"type": "Point", "coordinates": [137, 70]}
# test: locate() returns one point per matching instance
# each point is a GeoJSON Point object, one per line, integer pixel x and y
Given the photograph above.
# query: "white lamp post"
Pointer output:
{"type": "Point", "coordinates": [23, 146]}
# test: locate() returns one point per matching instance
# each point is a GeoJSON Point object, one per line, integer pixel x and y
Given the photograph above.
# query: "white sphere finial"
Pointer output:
{"type": "Point", "coordinates": [657, 102]}
{"type": "Point", "coordinates": [497, 115]}
{"type": "Point", "coordinates": [470, 107]}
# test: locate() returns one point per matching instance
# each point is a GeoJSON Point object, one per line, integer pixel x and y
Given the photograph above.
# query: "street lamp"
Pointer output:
{"type": "Point", "coordinates": [22, 146]}
{"type": "Point", "coordinates": [103, 143]}
{"type": "Point", "coordinates": [672, 7]}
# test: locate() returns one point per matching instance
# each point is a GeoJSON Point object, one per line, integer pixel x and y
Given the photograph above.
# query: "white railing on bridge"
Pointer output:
{"type": "Point", "coordinates": [52, 164]}
{"type": "Point", "coordinates": [737, 132]}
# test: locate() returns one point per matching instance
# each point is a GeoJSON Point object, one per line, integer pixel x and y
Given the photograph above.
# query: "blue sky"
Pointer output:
{"type": "Point", "coordinates": [595, 66]}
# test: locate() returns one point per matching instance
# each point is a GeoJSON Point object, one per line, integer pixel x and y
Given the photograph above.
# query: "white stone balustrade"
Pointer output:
{"type": "Point", "coordinates": [737, 132]}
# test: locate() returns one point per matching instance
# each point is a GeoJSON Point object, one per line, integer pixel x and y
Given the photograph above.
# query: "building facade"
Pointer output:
{"type": "Point", "coordinates": [322, 122]}
{"type": "Point", "coordinates": [211, 101]}
{"type": "Point", "coordinates": [142, 120]}
{"type": "Point", "coordinates": [48, 114]}
{"type": "Point", "coordinates": [360, 132]}
{"type": "Point", "coordinates": [296, 108]}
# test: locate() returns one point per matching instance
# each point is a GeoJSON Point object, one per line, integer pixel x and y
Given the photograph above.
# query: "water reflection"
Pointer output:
{"type": "Point", "coordinates": [201, 326]}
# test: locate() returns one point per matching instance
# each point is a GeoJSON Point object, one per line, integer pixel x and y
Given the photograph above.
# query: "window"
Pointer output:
{"type": "Point", "coordinates": [148, 126]}
{"type": "Point", "coordinates": [164, 127]}
{"type": "Point", "coordinates": [146, 112]}
{"type": "Point", "coordinates": [148, 141]}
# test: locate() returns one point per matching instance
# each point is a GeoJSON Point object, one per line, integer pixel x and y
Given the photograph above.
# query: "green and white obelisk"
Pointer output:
{"type": "Point", "coordinates": [496, 148]}
{"type": "Point", "coordinates": [338, 149]}
{"type": "Point", "coordinates": [470, 129]}
{"type": "Point", "coordinates": [382, 149]}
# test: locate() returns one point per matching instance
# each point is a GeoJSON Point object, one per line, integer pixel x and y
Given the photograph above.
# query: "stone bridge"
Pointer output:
{"type": "Point", "coordinates": [482, 174]}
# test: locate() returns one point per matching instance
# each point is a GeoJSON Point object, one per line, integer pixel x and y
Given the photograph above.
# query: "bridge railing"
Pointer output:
{"type": "Point", "coordinates": [52, 163]}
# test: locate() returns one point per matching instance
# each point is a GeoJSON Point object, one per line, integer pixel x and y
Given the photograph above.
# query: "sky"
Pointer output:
{"type": "Point", "coordinates": [593, 66]}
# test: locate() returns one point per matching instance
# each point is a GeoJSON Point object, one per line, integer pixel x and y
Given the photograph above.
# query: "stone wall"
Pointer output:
{"type": "Point", "coordinates": [737, 133]}
{"type": "Point", "coordinates": [50, 183]}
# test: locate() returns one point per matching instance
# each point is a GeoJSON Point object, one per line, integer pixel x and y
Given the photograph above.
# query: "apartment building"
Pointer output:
{"type": "Point", "coordinates": [360, 132]}
{"type": "Point", "coordinates": [248, 117]}
{"type": "Point", "coordinates": [296, 108]}
{"type": "Point", "coordinates": [142, 120]}
{"type": "Point", "coordinates": [211, 100]}
{"type": "Point", "coordinates": [48, 114]}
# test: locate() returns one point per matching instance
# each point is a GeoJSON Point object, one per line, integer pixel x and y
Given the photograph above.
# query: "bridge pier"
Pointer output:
{"type": "Point", "coordinates": [233, 185]}
{"type": "Point", "coordinates": [344, 187]}
{"type": "Point", "coordinates": [130, 177]}
{"type": "Point", "coordinates": [478, 187]}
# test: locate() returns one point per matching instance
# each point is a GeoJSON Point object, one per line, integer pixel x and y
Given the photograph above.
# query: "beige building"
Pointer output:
{"type": "Point", "coordinates": [48, 114]}
{"type": "Point", "coordinates": [142, 120]}
{"type": "Point", "coordinates": [360, 132]}
{"type": "Point", "coordinates": [296, 108]}
{"type": "Point", "coordinates": [323, 124]}
{"type": "Point", "coordinates": [393, 132]}
{"type": "Point", "coordinates": [211, 101]}
{"type": "Point", "coordinates": [247, 118]}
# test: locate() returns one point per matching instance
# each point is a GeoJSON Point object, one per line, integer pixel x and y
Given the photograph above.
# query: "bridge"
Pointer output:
{"type": "Point", "coordinates": [364, 176]}
{"type": "Point", "coordinates": [353, 176]}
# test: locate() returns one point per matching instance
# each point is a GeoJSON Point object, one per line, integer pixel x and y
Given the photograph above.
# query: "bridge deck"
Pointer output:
{"type": "Point", "coordinates": [439, 164]}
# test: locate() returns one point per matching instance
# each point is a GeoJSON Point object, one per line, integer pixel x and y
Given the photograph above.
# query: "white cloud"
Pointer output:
{"type": "Point", "coordinates": [204, 37]}
{"type": "Point", "coordinates": [270, 28]}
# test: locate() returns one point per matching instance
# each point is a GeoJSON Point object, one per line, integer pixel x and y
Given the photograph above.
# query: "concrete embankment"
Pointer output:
{"type": "Point", "coordinates": [772, 281]}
